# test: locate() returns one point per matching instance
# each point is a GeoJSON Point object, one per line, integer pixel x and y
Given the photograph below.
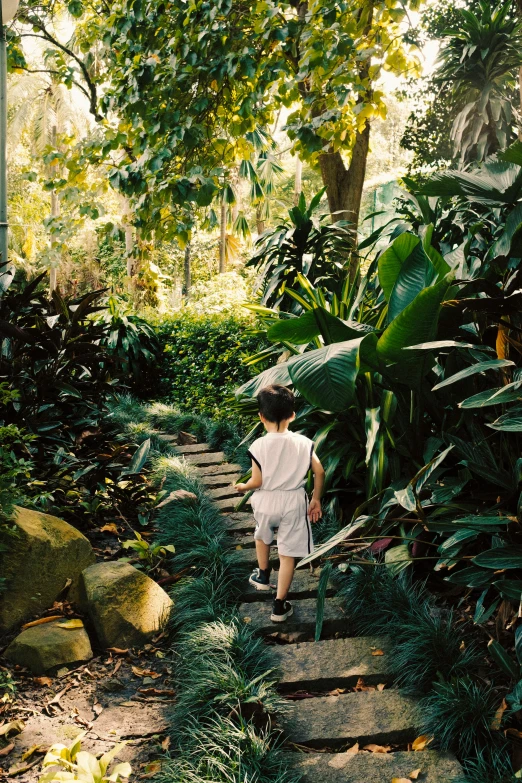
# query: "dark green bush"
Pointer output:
{"type": "Point", "coordinates": [202, 360]}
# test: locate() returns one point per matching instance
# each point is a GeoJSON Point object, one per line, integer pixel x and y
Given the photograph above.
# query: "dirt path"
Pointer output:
{"type": "Point", "coordinates": [346, 723]}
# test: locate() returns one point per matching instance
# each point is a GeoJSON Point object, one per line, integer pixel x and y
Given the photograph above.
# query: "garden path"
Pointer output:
{"type": "Point", "coordinates": [346, 722]}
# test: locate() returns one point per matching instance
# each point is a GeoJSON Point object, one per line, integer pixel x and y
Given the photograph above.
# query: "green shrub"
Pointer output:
{"type": "Point", "coordinates": [202, 360]}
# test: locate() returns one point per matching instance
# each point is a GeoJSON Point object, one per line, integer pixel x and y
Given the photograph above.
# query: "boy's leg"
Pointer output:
{"type": "Point", "coordinates": [285, 576]}
{"type": "Point", "coordinates": [263, 554]}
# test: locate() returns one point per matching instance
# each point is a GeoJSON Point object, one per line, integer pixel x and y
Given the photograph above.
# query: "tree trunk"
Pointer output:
{"type": "Point", "coordinates": [298, 179]}
{"type": "Point", "coordinates": [187, 270]}
{"type": "Point", "coordinates": [260, 223]}
{"type": "Point", "coordinates": [222, 235]}
{"type": "Point", "coordinates": [55, 212]}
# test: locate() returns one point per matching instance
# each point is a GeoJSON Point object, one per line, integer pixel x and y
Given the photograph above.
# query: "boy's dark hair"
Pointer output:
{"type": "Point", "coordinates": [276, 403]}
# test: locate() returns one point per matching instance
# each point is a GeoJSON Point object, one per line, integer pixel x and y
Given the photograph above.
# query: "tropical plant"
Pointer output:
{"type": "Point", "coordinates": [304, 244]}
{"type": "Point", "coordinates": [151, 555]}
{"type": "Point", "coordinates": [480, 60]}
{"type": "Point", "coordinates": [63, 762]}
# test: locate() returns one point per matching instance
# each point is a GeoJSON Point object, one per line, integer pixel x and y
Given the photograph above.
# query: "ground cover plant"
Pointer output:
{"type": "Point", "coordinates": [222, 726]}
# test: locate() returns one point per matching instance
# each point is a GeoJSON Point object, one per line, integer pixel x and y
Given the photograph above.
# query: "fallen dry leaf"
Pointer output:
{"type": "Point", "coordinates": [11, 728]}
{"type": "Point", "coordinates": [401, 780]}
{"type": "Point", "coordinates": [155, 692]}
{"type": "Point", "coordinates": [42, 620]}
{"type": "Point", "coordinates": [7, 750]}
{"type": "Point", "coordinates": [497, 720]}
{"type": "Point", "coordinates": [152, 769]}
{"type": "Point", "coordinates": [42, 681]}
{"type": "Point", "coordinates": [32, 750]}
{"type": "Point", "coordinates": [378, 748]}
{"type": "Point", "coordinates": [421, 742]}
{"type": "Point", "coordinates": [110, 527]}
{"type": "Point", "coordinates": [74, 623]}
{"type": "Point", "coordinates": [97, 708]}
{"type": "Point", "coordinates": [117, 650]}
{"type": "Point", "coordinates": [415, 774]}
{"type": "Point", "coordinates": [381, 686]}
{"type": "Point", "coordinates": [340, 760]}
{"type": "Point", "coordinates": [166, 743]}
{"type": "Point", "coordinates": [24, 768]}
{"type": "Point", "coordinates": [239, 547]}
{"type": "Point", "coordinates": [139, 672]}
{"type": "Point", "coordinates": [377, 652]}
{"type": "Point", "coordinates": [361, 687]}
{"type": "Point", "coordinates": [336, 691]}
{"type": "Point", "coordinates": [247, 620]}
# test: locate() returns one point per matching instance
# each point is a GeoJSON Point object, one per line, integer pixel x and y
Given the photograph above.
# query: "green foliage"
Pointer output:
{"type": "Point", "coordinates": [62, 762]}
{"type": "Point", "coordinates": [459, 713]}
{"type": "Point", "coordinates": [202, 360]}
{"type": "Point", "coordinates": [132, 341]}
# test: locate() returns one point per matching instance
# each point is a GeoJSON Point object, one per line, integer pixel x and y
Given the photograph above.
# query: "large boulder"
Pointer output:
{"type": "Point", "coordinates": [126, 607]}
{"type": "Point", "coordinates": [44, 554]}
{"type": "Point", "coordinates": [48, 647]}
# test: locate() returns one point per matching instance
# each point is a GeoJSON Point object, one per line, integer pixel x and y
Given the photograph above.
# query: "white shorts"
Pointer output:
{"type": "Point", "coordinates": [287, 511]}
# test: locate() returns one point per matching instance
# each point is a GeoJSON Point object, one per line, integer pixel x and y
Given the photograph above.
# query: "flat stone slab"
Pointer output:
{"type": "Point", "coordinates": [173, 439]}
{"type": "Point", "coordinates": [229, 504]}
{"type": "Point", "coordinates": [249, 557]}
{"type": "Point", "coordinates": [336, 663]}
{"type": "Point", "coordinates": [374, 767]}
{"type": "Point", "coordinates": [240, 520]}
{"type": "Point", "coordinates": [221, 480]}
{"type": "Point", "coordinates": [301, 625]}
{"type": "Point", "coordinates": [335, 721]}
{"type": "Point", "coordinates": [225, 492]}
{"type": "Point", "coordinates": [210, 469]}
{"type": "Point", "coordinates": [304, 585]}
{"type": "Point", "coordinates": [195, 448]}
{"type": "Point", "coordinates": [203, 460]}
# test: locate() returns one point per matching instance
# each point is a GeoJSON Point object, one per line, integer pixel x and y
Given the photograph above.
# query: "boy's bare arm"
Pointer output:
{"type": "Point", "coordinates": [254, 482]}
{"type": "Point", "coordinates": [314, 509]}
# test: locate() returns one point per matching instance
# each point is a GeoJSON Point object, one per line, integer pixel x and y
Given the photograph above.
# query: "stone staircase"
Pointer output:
{"type": "Point", "coordinates": [345, 722]}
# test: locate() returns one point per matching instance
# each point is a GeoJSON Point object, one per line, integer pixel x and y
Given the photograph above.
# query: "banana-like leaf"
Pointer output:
{"type": "Point", "coordinates": [299, 331]}
{"type": "Point", "coordinates": [434, 344]}
{"type": "Point", "coordinates": [277, 374]}
{"type": "Point", "coordinates": [371, 424]}
{"type": "Point", "coordinates": [467, 372]}
{"type": "Point", "coordinates": [510, 393]}
{"type": "Point", "coordinates": [326, 376]}
{"type": "Point", "coordinates": [482, 614]}
{"type": "Point", "coordinates": [398, 558]}
{"type": "Point", "coordinates": [394, 257]}
{"type": "Point", "coordinates": [457, 538]}
{"type": "Point", "coordinates": [470, 577]}
{"type": "Point", "coordinates": [416, 273]}
{"type": "Point", "coordinates": [417, 323]}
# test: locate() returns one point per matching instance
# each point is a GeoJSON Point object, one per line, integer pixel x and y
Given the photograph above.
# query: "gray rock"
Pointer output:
{"type": "Point", "coordinates": [336, 663]}
{"type": "Point", "coordinates": [374, 767]}
{"type": "Point", "coordinates": [203, 460]}
{"type": "Point", "coordinates": [304, 585]}
{"type": "Point", "coordinates": [41, 558]}
{"type": "Point", "coordinates": [194, 448]}
{"type": "Point", "coordinates": [220, 480]}
{"type": "Point", "coordinates": [214, 470]}
{"type": "Point", "coordinates": [334, 721]}
{"type": "Point", "coordinates": [126, 607]}
{"type": "Point", "coordinates": [48, 647]}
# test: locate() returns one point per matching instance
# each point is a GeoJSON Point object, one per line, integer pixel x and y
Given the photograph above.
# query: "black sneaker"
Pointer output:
{"type": "Point", "coordinates": [281, 610]}
{"type": "Point", "coordinates": [261, 579]}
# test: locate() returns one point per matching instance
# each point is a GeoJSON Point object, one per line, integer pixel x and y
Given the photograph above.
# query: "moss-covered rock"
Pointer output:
{"type": "Point", "coordinates": [48, 647]}
{"type": "Point", "coordinates": [126, 607]}
{"type": "Point", "coordinates": [40, 558]}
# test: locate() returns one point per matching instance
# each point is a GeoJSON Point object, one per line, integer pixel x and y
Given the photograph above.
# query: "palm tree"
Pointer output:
{"type": "Point", "coordinates": [46, 110]}
{"type": "Point", "coordinates": [480, 61]}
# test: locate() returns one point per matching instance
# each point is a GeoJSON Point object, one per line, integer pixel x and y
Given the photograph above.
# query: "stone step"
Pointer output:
{"type": "Point", "coordinates": [212, 470]}
{"type": "Point", "coordinates": [337, 663]}
{"type": "Point", "coordinates": [301, 625]}
{"type": "Point", "coordinates": [364, 717]}
{"type": "Point", "coordinates": [368, 767]}
{"type": "Point", "coordinates": [249, 558]}
{"type": "Point", "coordinates": [221, 480]}
{"type": "Point", "coordinates": [164, 436]}
{"type": "Point", "coordinates": [246, 541]}
{"type": "Point", "coordinates": [225, 492]}
{"type": "Point", "coordinates": [229, 504]}
{"type": "Point", "coordinates": [304, 585]}
{"type": "Point", "coordinates": [195, 448]}
{"type": "Point", "coordinates": [240, 521]}
{"type": "Point", "coordinates": [204, 460]}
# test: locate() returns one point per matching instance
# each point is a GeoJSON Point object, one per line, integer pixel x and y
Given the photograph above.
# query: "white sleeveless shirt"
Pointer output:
{"type": "Point", "coordinates": [284, 459]}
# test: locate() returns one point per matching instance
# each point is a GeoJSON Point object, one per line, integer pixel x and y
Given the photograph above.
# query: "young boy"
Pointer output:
{"type": "Point", "coordinates": [280, 463]}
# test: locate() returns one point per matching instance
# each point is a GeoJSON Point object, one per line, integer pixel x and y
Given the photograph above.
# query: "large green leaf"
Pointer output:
{"type": "Point", "coordinates": [512, 227]}
{"type": "Point", "coordinates": [342, 535]}
{"type": "Point", "coordinates": [313, 323]}
{"type": "Point", "coordinates": [510, 393]}
{"type": "Point", "coordinates": [509, 422]}
{"type": "Point", "coordinates": [500, 557]}
{"type": "Point", "coordinates": [502, 659]}
{"type": "Point", "coordinates": [138, 460]}
{"type": "Point", "coordinates": [490, 364]}
{"type": "Point", "coordinates": [417, 272]}
{"type": "Point", "coordinates": [416, 324]}
{"type": "Point", "coordinates": [391, 261]}
{"type": "Point", "coordinates": [470, 577]}
{"type": "Point", "coordinates": [326, 377]}
{"type": "Point", "coordinates": [277, 374]}
{"type": "Point", "coordinates": [510, 588]}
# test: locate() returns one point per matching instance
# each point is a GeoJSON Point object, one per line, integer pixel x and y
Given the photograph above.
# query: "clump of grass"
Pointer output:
{"type": "Point", "coordinates": [427, 647]}
{"type": "Point", "coordinates": [493, 767]}
{"type": "Point", "coordinates": [459, 714]}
